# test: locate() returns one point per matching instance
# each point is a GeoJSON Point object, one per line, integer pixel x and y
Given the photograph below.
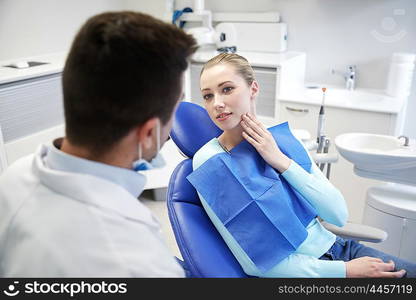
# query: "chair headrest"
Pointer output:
{"type": "Point", "coordinates": [192, 128]}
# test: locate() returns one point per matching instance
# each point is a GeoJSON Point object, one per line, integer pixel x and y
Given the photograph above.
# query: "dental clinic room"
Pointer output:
{"type": "Point", "coordinates": [207, 139]}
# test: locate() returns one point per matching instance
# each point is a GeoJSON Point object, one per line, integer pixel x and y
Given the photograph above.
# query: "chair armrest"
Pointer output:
{"type": "Point", "coordinates": [323, 158]}
{"type": "Point", "coordinates": [358, 232]}
{"type": "Point", "coordinates": [310, 145]}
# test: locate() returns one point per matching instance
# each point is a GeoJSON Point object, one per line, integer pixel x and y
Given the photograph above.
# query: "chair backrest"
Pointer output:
{"type": "Point", "coordinates": [203, 250]}
{"type": "Point", "coordinates": [192, 128]}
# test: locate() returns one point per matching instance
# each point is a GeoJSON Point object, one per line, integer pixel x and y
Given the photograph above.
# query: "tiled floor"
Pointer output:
{"type": "Point", "coordinates": [159, 210]}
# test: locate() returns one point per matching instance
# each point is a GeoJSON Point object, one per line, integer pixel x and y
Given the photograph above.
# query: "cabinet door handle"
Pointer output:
{"type": "Point", "coordinates": [302, 110]}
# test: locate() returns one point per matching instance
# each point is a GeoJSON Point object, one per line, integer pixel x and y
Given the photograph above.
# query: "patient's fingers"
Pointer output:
{"type": "Point", "coordinates": [250, 123]}
{"type": "Point", "coordinates": [387, 266]}
{"type": "Point", "coordinates": [375, 259]}
{"type": "Point", "coordinates": [253, 118]}
{"type": "Point", "coordinates": [372, 267]}
{"type": "Point", "coordinates": [250, 131]}
{"type": "Point", "coordinates": [255, 124]}
{"type": "Point", "coordinates": [387, 270]}
{"type": "Point", "coordinates": [397, 274]}
{"type": "Point", "coordinates": [250, 140]}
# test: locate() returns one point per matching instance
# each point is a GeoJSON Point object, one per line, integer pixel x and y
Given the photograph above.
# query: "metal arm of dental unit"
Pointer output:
{"type": "Point", "coordinates": [322, 158]}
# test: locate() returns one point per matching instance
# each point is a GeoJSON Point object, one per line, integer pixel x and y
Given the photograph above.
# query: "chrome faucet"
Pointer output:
{"type": "Point", "coordinates": [406, 140]}
{"type": "Point", "coordinates": [349, 76]}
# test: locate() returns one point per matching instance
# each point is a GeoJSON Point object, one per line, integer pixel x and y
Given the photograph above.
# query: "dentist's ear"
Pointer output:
{"type": "Point", "coordinates": [145, 132]}
{"type": "Point", "coordinates": [254, 89]}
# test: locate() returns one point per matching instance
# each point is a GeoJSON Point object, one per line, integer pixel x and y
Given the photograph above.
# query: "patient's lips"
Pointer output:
{"type": "Point", "coordinates": [223, 116]}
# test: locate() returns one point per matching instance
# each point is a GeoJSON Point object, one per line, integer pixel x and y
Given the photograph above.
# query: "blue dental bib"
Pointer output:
{"type": "Point", "coordinates": [263, 213]}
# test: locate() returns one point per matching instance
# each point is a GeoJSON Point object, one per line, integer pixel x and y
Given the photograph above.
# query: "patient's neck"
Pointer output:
{"type": "Point", "coordinates": [231, 138]}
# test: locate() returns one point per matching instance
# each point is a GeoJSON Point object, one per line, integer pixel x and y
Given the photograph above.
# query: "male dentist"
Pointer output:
{"type": "Point", "coordinates": [71, 209]}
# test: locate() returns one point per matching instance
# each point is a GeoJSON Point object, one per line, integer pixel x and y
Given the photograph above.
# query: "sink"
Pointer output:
{"type": "Point", "coordinates": [382, 157]}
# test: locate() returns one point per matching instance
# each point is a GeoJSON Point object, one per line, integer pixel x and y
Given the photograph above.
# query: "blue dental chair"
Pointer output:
{"type": "Point", "coordinates": [203, 250]}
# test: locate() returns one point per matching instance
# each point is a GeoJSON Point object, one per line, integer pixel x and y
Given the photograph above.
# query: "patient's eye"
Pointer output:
{"type": "Point", "coordinates": [207, 97]}
{"type": "Point", "coordinates": [227, 89]}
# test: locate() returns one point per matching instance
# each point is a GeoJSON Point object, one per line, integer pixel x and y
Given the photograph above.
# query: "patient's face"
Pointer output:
{"type": "Point", "coordinates": [226, 95]}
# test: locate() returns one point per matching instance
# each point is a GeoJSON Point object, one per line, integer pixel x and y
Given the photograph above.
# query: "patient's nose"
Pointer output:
{"type": "Point", "coordinates": [218, 102]}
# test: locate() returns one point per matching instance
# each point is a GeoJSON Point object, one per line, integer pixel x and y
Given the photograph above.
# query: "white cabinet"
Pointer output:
{"type": "Point", "coordinates": [338, 121]}
{"type": "Point", "coordinates": [401, 233]}
{"type": "Point", "coordinates": [392, 208]}
{"type": "Point", "coordinates": [31, 112]}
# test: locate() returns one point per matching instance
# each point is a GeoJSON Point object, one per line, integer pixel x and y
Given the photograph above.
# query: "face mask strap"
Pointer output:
{"type": "Point", "coordinates": [158, 136]}
{"type": "Point", "coordinates": [139, 151]}
{"type": "Point", "coordinates": [138, 165]}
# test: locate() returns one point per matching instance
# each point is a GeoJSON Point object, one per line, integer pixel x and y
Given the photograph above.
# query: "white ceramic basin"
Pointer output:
{"type": "Point", "coordinates": [379, 151]}
{"type": "Point", "coordinates": [379, 156]}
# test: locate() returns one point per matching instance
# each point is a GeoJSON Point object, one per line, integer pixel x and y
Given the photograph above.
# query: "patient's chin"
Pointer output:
{"type": "Point", "coordinates": [227, 127]}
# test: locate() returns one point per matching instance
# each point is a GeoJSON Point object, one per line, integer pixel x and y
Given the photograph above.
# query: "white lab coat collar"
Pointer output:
{"type": "Point", "coordinates": [58, 160]}
{"type": "Point", "coordinates": [94, 190]}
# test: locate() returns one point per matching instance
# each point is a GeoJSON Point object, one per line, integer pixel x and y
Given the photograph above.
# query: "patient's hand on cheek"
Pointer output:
{"type": "Point", "coordinates": [372, 267]}
{"type": "Point", "coordinates": [261, 139]}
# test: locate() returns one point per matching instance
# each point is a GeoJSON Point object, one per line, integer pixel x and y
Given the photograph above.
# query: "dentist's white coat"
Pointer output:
{"type": "Point", "coordinates": [60, 224]}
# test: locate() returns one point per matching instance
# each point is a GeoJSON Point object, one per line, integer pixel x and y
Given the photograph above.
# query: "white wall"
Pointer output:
{"type": "Point", "coordinates": [336, 33]}
{"type": "Point", "coordinates": [36, 27]}
{"type": "Point", "coordinates": [156, 8]}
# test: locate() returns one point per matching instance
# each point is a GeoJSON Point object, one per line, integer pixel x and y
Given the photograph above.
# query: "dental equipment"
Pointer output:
{"type": "Point", "coordinates": [328, 168]}
{"type": "Point", "coordinates": [322, 141]}
{"type": "Point", "coordinates": [321, 120]}
{"type": "Point", "coordinates": [320, 137]}
{"type": "Point", "coordinates": [204, 35]}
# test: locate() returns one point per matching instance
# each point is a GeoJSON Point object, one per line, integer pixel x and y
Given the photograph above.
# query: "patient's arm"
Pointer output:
{"type": "Point", "coordinates": [320, 193]}
{"type": "Point", "coordinates": [299, 265]}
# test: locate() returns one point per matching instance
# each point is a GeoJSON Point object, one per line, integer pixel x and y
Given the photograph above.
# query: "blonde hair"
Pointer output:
{"type": "Point", "coordinates": [241, 65]}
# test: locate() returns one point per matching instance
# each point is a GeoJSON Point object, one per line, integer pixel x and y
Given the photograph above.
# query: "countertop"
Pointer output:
{"type": "Point", "coordinates": [372, 100]}
{"type": "Point", "coordinates": [55, 64]}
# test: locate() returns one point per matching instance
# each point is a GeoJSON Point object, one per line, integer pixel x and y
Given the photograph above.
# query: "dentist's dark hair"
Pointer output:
{"type": "Point", "coordinates": [123, 69]}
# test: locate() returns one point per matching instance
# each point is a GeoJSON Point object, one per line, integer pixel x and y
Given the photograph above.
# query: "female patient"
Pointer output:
{"type": "Point", "coordinates": [229, 90]}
